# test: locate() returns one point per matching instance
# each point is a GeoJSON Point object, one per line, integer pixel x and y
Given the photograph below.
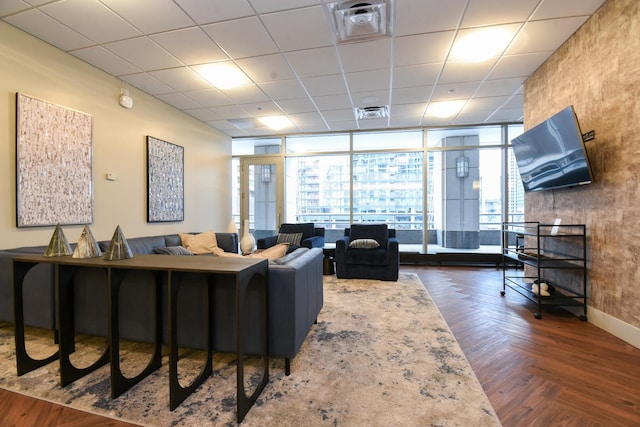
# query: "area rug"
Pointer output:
{"type": "Point", "coordinates": [380, 355]}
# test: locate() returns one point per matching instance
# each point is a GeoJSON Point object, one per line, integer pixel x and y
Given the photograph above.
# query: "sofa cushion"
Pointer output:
{"type": "Point", "coordinates": [172, 250]}
{"type": "Point", "coordinates": [138, 245]}
{"type": "Point", "coordinates": [364, 244]}
{"type": "Point", "coordinates": [376, 257]}
{"type": "Point", "coordinates": [203, 243]}
{"type": "Point", "coordinates": [291, 256]}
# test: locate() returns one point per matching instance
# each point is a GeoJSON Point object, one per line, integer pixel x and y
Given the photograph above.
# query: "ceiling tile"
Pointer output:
{"type": "Point", "coordinates": [261, 109]}
{"type": "Point", "coordinates": [246, 94]}
{"type": "Point", "coordinates": [208, 11]}
{"type": "Point", "coordinates": [283, 89]}
{"type": "Point", "coordinates": [459, 72]}
{"type": "Point", "coordinates": [339, 101]}
{"type": "Point", "coordinates": [147, 83]}
{"type": "Point", "coordinates": [8, 7]}
{"type": "Point", "coordinates": [166, 14]}
{"type": "Point", "coordinates": [181, 79]}
{"type": "Point", "coordinates": [411, 95]}
{"type": "Point", "coordinates": [314, 62]}
{"type": "Point", "coordinates": [298, 105]}
{"type": "Point", "coordinates": [498, 87]}
{"type": "Point", "coordinates": [242, 38]}
{"type": "Point", "coordinates": [540, 36]}
{"type": "Point", "coordinates": [297, 29]}
{"type": "Point", "coordinates": [266, 68]}
{"type": "Point", "coordinates": [519, 65]}
{"type": "Point", "coordinates": [325, 85]}
{"type": "Point", "coordinates": [309, 121]}
{"type": "Point", "coordinates": [493, 12]}
{"type": "Point", "coordinates": [191, 46]}
{"type": "Point", "coordinates": [46, 28]}
{"type": "Point", "coordinates": [208, 97]}
{"type": "Point", "coordinates": [231, 112]}
{"type": "Point", "coordinates": [204, 114]}
{"type": "Point", "coordinates": [92, 19]}
{"type": "Point", "coordinates": [422, 48]}
{"type": "Point", "coordinates": [178, 100]}
{"type": "Point", "coordinates": [107, 61]}
{"type": "Point", "coordinates": [370, 98]}
{"type": "Point", "coordinates": [556, 9]}
{"type": "Point", "coordinates": [266, 6]}
{"type": "Point", "coordinates": [416, 75]}
{"type": "Point", "coordinates": [338, 115]}
{"type": "Point", "coordinates": [447, 92]}
{"type": "Point", "coordinates": [417, 16]}
{"type": "Point", "coordinates": [366, 55]}
{"type": "Point", "coordinates": [143, 53]}
{"type": "Point", "coordinates": [369, 80]}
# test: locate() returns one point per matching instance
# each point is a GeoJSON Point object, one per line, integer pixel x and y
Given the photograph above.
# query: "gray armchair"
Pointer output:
{"type": "Point", "coordinates": [311, 236]}
{"type": "Point", "coordinates": [368, 251]}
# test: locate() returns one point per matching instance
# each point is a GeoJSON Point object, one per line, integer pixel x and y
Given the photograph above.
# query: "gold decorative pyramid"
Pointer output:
{"type": "Point", "coordinates": [87, 246]}
{"type": "Point", "coordinates": [118, 247]}
{"type": "Point", "coordinates": [58, 245]}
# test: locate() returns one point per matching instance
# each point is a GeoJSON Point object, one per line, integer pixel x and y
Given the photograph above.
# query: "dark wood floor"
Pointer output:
{"type": "Point", "coordinates": [557, 371]}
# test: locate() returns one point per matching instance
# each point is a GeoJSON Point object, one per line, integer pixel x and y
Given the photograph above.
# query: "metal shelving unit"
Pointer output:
{"type": "Point", "coordinates": [540, 250]}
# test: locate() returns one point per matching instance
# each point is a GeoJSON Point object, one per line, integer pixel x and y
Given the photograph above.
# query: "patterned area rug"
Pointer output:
{"type": "Point", "coordinates": [381, 354]}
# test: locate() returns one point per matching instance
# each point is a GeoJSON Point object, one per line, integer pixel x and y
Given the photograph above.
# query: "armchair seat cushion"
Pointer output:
{"type": "Point", "coordinates": [366, 256]}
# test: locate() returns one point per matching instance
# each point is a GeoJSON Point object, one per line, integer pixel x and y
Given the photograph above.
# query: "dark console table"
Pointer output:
{"type": "Point", "coordinates": [166, 269]}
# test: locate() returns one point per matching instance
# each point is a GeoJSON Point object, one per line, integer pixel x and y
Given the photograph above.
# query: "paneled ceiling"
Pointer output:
{"type": "Point", "coordinates": [296, 66]}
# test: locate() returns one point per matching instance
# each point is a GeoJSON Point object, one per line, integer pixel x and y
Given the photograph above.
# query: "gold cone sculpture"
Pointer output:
{"type": "Point", "coordinates": [58, 245]}
{"type": "Point", "coordinates": [87, 246]}
{"type": "Point", "coordinates": [118, 247]}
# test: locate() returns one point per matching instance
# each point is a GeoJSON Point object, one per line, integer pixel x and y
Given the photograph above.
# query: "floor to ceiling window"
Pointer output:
{"type": "Point", "coordinates": [443, 190]}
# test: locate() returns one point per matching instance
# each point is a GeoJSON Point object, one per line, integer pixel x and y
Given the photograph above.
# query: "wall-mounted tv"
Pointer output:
{"type": "Point", "coordinates": [552, 154]}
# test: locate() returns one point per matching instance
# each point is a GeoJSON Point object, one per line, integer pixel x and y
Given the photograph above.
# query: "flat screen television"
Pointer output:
{"type": "Point", "coordinates": [552, 154]}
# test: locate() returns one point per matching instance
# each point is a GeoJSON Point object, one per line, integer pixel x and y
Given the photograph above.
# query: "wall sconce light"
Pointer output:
{"type": "Point", "coordinates": [462, 167]}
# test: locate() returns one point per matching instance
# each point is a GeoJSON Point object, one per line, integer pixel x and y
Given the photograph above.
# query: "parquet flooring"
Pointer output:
{"type": "Point", "coordinates": [557, 371]}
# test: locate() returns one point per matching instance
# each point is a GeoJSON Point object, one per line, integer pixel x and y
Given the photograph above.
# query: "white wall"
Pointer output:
{"type": "Point", "coordinates": [37, 69]}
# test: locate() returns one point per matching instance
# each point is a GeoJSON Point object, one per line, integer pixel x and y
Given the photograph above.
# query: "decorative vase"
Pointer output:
{"type": "Point", "coordinates": [248, 242]}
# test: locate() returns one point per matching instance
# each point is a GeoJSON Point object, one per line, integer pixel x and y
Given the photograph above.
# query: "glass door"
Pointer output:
{"type": "Point", "coordinates": [261, 195]}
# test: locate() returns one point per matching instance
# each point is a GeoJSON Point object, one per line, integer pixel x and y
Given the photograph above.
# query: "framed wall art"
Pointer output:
{"type": "Point", "coordinates": [53, 164]}
{"type": "Point", "coordinates": [165, 181]}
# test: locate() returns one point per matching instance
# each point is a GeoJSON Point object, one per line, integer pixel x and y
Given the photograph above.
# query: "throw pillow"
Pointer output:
{"type": "Point", "coordinates": [272, 253]}
{"type": "Point", "coordinates": [203, 243]}
{"type": "Point", "coordinates": [364, 244]}
{"type": "Point", "coordinates": [172, 250]}
{"type": "Point", "coordinates": [294, 239]}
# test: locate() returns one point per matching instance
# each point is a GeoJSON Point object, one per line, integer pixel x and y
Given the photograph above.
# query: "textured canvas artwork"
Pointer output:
{"type": "Point", "coordinates": [165, 181]}
{"type": "Point", "coordinates": [53, 164]}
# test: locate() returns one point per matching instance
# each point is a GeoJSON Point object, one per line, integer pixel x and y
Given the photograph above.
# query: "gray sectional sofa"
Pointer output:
{"type": "Point", "coordinates": [294, 301]}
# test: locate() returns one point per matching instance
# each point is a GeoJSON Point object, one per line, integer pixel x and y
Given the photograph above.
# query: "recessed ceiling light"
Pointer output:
{"type": "Point", "coordinates": [223, 75]}
{"type": "Point", "coordinates": [481, 45]}
{"type": "Point", "coordinates": [276, 122]}
{"type": "Point", "coordinates": [445, 109]}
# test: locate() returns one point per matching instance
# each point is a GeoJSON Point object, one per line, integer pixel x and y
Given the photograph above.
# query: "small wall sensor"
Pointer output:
{"type": "Point", "coordinates": [125, 100]}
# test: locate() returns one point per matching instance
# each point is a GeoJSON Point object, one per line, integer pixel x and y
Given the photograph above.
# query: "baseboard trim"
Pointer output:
{"type": "Point", "coordinates": [614, 326]}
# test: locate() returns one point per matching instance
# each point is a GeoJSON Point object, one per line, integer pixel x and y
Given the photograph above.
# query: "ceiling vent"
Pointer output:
{"type": "Point", "coordinates": [361, 20]}
{"type": "Point", "coordinates": [372, 112]}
